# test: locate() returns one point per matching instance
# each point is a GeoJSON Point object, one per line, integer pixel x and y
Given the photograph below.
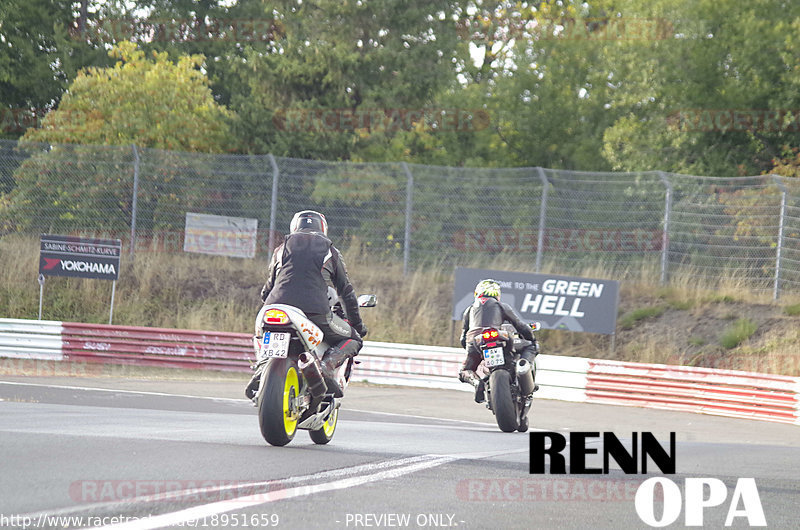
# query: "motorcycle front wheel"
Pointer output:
{"type": "Point", "coordinates": [324, 434]}
{"type": "Point", "coordinates": [277, 409]}
{"type": "Point", "coordinates": [505, 410]}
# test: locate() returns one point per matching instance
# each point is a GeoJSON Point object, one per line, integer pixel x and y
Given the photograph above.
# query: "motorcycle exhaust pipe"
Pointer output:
{"type": "Point", "coordinates": [309, 365]}
{"type": "Point", "coordinates": [525, 377]}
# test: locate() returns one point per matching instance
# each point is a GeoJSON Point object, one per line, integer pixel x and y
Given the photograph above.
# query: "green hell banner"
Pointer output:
{"type": "Point", "coordinates": [558, 302]}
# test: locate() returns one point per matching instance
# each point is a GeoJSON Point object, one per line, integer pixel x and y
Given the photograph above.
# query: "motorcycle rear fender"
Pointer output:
{"type": "Point", "coordinates": [308, 332]}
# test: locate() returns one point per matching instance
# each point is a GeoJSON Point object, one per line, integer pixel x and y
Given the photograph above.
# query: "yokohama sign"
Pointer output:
{"type": "Point", "coordinates": [79, 257]}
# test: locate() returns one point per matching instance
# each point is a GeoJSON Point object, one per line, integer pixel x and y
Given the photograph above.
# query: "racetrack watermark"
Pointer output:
{"type": "Point", "coordinates": [19, 120]}
{"type": "Point", "coordinates": [200, 490]}
{"type": "Point", "coordinates": [784, 364]}
{"type": "Point", "coordinates": [733, 120]}
{"type": "Point", "coordinates": [559, 239]}
{"type": "Point", "coordinates": [383, 366]}
{"type": "Point", "coordinates": [380, 120]}
{"type": "Point", "coordinates": [546, 490]}
{"type": "Point", "coordinates": [48, 368]}
{"type": "Point", "coordinates": [100, 368]}
{"type": "Point", "coordinates": [43, 520]}
{"type": "Point", "coordinates": [217, 520]}
{"type": "Point", "coordinates": [208, 241]}
{"type": "Point", "coordinates": [176, 30]}
{"type": "Point", "coordinates": [567, 28]}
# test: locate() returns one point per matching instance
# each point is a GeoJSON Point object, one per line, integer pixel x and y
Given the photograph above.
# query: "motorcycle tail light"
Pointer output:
{"type": "Point", "coordinates": [276, 316]}
{"type": "Point", "coordinates": [490, 334]}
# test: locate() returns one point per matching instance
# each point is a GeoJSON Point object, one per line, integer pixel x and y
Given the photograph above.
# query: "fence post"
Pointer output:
{"type": "Point", "coordinates": [409, 211]}
{"type": "Point", "coordinates": [273, 205]}
{"type": "Point", "coordinates": [542, 218]}
{"type": "Point", "coordinates": [665, 233]}
{"type": "Point", "coordinates": [781, 224]}
{"type": "Point", "coordinates": [135, 197]}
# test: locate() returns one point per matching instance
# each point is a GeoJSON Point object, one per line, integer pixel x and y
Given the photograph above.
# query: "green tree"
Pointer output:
{"type": "Point", "coordinates": [40, 54]}
{"type": "Point", "coordinates": [678, 94]}
{"type": "Point", "coordinates": [153, 103]}
{"type": "Point", "coordinates": [787, 165]}
{"type": "Point", "coordinates": [346, 57]}
{"type": "Point", "coordinates": [148, 102]}
{"type": "Point", "coordinates": [536, 73]}
{"type": "Point", "coordinates": [220, 30]}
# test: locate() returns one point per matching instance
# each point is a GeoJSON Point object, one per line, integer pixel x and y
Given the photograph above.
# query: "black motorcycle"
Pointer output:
{"type": "Point", "coordinates": [510, 381]}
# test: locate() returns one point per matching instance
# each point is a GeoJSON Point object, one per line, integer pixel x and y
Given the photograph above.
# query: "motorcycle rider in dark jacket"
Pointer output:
{"type": "Point", "coordinates": [299, 273]}
{"type": "Point", "coordinates": [488, 312]}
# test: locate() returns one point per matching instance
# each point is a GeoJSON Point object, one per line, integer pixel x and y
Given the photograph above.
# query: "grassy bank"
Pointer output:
{"type": "Point", "coordinates": [725, 325]}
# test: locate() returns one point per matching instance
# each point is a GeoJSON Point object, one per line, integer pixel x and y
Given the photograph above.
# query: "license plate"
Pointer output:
{"type": "Point", "coordinates": [275, 344]}
{"type": "Point", "coordinates": [494, 356]}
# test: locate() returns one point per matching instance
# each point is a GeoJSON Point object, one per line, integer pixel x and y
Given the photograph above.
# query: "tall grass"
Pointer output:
{"type": "Point", "coordinates": [737, 333]}
{"type": "Point", "coordinates": [193, 291]}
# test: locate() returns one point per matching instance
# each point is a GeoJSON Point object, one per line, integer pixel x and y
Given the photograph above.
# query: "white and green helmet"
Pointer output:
{"type": "Point", "coordinates": [488, 287]}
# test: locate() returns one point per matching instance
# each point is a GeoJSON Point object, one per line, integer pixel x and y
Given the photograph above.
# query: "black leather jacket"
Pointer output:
{"type": "Point", "coordinates": [488, 312]}
{"type": "Point", "coordinates": [300, 271]}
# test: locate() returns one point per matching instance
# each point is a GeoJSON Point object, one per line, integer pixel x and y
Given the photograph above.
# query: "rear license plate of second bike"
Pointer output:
{"type": "Point", "coordinates": [494, 356]}
{"type": "Point", "coordinates": [275, 344]}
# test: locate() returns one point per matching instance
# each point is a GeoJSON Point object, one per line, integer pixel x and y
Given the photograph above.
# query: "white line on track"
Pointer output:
{"type": "Point", "coordinates": [216, 508]}
{"type": "Point", "coordinates": [365, 473]}
{"type": "Point", "coordinates": [212, 490]}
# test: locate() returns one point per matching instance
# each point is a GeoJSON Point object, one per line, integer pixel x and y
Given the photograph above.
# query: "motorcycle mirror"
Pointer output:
{"type": "Point", "coordinates": [367, 300]}
{"type": "Point", "coordinates": [536, 326]}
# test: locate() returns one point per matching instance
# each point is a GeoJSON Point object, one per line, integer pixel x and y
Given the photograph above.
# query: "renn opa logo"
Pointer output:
{"type": "Point", "coordinates": [744, 502]}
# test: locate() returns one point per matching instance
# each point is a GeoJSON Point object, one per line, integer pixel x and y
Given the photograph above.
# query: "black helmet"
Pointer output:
{"type": "Point", "coordinates": [308, 221]}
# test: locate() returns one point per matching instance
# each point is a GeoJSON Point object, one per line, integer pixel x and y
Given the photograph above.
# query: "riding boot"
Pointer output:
{"type": "Point", "coordinates": [332, 360]}
{"type": "Point", "coordinates": [252, 387]}
{"type": "Point", "coordinates": [469, 376]}
{"type": "Point", "coordinates": [480, 392]}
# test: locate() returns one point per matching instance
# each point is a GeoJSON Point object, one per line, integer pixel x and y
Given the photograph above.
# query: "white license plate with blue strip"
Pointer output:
{"type": "Point", "coordinates": [275, 344]}
{"type": "Point", "coordinates": [494, 357]}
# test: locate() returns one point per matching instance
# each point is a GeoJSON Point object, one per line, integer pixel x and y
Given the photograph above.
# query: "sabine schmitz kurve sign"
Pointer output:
{"type": "Point", "coordinates": [558, 302]}
{"type": "Point", "coordinates": [79, 257]}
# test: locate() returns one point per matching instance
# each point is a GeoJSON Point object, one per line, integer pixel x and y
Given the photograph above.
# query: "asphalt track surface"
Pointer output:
{"type": "Point", "coordinates": [122, 453]}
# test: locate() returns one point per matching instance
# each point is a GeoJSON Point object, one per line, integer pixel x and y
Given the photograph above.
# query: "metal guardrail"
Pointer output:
{"type": "Point", "coordinates": [724, 392]}
{"type": "Point", "coordinates": [562, 378]}
{"type": "Point", "coordinates": [701, 390]}
{"type": "Point", "coordinates": [30, 339]}
{"type": "Point", "coordinates": [142, 346]}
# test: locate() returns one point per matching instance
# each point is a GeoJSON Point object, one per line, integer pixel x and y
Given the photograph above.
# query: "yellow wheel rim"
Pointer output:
{"type": "Point", "coordinates": [330, 425]}
{"type": "Point", "coordinates": [290, 388]}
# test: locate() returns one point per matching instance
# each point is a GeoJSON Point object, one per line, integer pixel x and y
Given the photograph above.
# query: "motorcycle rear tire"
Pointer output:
{"type": "Point", "coordinates": [505, 410]}
{"type": "Point", "coordinates": [276, 417]}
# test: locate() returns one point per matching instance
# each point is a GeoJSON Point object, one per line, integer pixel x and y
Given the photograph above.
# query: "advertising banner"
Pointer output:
{"type": "Point", "coordinates": [220, 235]}
{"type": "Point", "coordinates": [79, 257]}
{"type": "Point", "coordinates": [558, 302]}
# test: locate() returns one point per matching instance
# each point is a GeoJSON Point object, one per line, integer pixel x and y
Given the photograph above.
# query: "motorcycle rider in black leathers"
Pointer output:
{"type": "Point", "coordinates": [488, 312]}
{"type": "Point", "coordinates": [299, 273]}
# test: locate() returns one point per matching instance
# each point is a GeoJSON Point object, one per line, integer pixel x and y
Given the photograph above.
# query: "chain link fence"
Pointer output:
{"type": "Point", "coordinates": [557, 221]}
